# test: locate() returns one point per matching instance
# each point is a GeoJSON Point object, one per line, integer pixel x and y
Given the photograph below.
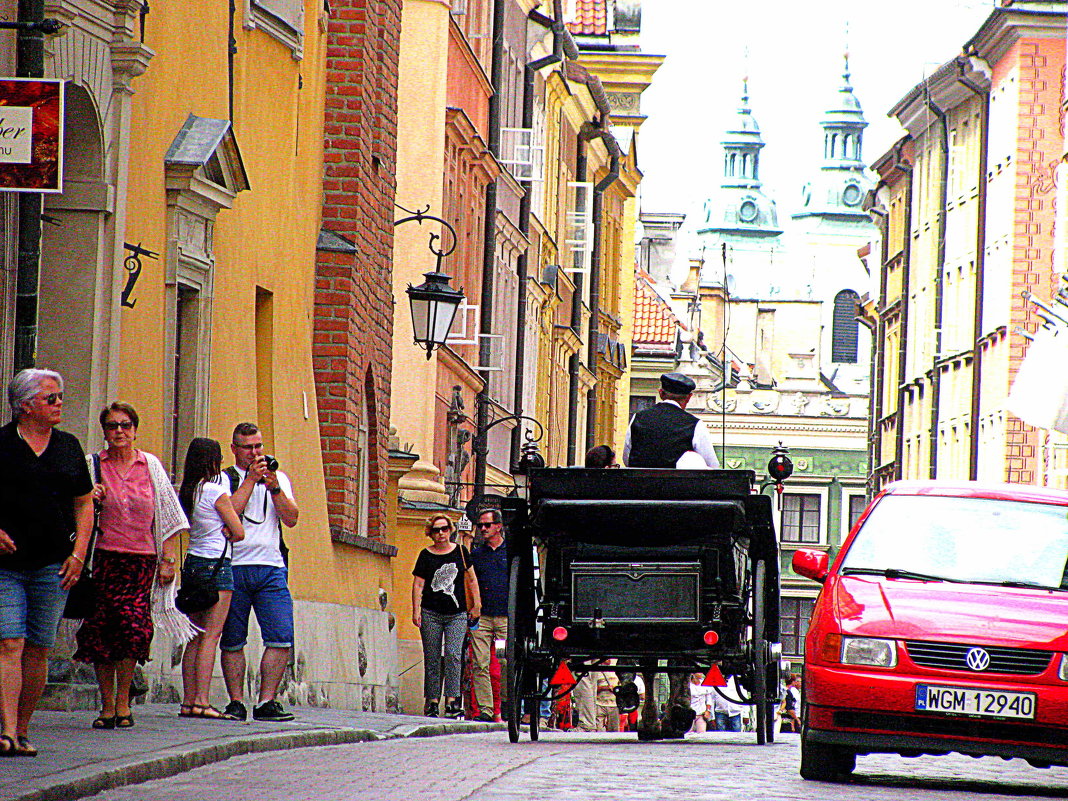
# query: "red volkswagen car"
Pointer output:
{"type": "Point", "coordinates": [941, 626]}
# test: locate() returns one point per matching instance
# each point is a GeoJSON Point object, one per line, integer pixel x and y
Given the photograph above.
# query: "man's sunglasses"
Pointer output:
{"type": "Point", "coordinates": [436, 529]}
{"type": "Point", "coordinates": [485, 525]}
{"type": "Point", "coordinates": [52, 398]}
{"type": "Point", "coordinates": [113, 425]}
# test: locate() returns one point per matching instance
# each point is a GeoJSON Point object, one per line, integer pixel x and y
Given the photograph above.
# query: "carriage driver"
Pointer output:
{"type": "Point", "coordinates": [660, 435]}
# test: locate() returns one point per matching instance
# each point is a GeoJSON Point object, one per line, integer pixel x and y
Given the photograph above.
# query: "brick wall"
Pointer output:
{"type": "Point", "coordinates": [1040, 140]}
{"type": "Point", "coordinates": [352, 349]}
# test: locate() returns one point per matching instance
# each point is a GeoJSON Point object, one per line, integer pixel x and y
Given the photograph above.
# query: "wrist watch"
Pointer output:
{"type": "Point", "coordinates": [274, 490]}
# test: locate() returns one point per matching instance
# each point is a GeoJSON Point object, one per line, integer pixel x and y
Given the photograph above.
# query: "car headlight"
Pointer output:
{"type": "Point", "coordinates": [869, 651]}
{"type": "Point", "coordinates": [1062, 674]}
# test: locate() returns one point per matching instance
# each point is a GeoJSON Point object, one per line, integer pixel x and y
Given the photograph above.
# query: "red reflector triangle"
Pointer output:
{"type": "Point", "coordinates": [563, 675]}
{"type": "Point", "coordinates": [714, 678]}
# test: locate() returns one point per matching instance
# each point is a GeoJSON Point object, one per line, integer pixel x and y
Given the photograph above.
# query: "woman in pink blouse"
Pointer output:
{"type": "Point", "coordinates": [133, 564]}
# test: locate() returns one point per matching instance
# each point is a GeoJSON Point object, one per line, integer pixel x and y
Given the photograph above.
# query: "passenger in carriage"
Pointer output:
{"type": "Point", "coordinates": [660, 435]}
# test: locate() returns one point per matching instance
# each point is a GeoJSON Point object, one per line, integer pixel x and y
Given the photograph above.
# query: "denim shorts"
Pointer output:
{"type": "Point", "coordinates": [201, 567]}
{"type": "Point", "coordinates": [264, 588]}
{"type": "Point", "coordinates": [31, 604]}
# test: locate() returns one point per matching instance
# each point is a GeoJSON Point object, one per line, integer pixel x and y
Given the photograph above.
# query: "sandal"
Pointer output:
{"type": "Point", "coordinates": [186, 711]}
{"type": "Point", "coordinates": [104, 722]}
{"type": "Point", "coordinates": [10, 747]}
{"type": "Point", "coordinates": [210, 713]}
{"type": "Point", "coordinates": [25, 749]}
{"type": "Point", "coordinates": [124, 721]}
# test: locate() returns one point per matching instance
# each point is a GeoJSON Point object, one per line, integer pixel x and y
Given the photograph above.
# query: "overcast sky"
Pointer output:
{"type": "Point", "coordinates": [794, 64]}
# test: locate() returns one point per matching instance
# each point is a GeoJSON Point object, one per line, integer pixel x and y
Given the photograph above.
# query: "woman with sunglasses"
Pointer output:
{"type": "Point", "coordinates": [133, 564]}
{"type": "Point", "coordinates": [440, 612]}
{"type": "Point", "coordinates": [46, 516]}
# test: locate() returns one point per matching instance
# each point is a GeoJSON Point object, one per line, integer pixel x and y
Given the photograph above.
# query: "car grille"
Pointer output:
{"type": "Point", "coordinates": [952, 656]}
{"type": "Point", "coordinates": [951, 727]}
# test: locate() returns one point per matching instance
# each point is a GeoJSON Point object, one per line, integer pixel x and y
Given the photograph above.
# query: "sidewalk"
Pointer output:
{"type": "Point", "coordinates": [76, 761]}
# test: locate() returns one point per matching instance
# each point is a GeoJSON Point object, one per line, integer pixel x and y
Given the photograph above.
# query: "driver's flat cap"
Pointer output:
{"type": "Point", "coordinates": [677, 383]}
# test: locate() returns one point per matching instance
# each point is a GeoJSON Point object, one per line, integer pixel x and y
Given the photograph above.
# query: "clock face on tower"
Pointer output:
{"type": "Point", "coordinates": [747, 212]}
{"type": "Point", "coordinates": [851, 195]}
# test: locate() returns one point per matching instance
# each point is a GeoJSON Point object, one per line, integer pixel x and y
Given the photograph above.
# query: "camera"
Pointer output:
{"type": "Point", "coordinates": [271, 462]}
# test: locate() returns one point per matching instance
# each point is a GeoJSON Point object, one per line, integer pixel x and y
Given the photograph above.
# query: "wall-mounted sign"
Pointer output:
{"type": "Point", "coordinates": [31, 135]}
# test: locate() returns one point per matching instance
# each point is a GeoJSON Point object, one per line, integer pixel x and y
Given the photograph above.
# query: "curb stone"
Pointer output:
{"type": "Point", "coordinates": [87, 781]}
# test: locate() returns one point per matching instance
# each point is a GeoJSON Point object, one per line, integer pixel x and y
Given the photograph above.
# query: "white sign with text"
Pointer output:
{"type": "Point", "coordinates": [16, 134]}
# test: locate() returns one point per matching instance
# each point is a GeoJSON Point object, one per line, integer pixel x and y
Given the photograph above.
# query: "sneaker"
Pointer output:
{"type": "Point", "coordinates": [482, 717]}
{"type": "Point", "coordinates": [430, 709]}
{"type": "Point", "coordinates": [454, 710]}
{"type": "Point", "coordinates": [272, 711]}
{"type": "Point", "coordinates": [236, 710]}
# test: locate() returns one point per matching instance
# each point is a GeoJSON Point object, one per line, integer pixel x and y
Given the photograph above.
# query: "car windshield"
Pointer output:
{"type": "Point", "coordinates": [973, 540]}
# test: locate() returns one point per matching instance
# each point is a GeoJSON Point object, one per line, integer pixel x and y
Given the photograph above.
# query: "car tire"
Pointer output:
{"type": "Point", "coordinates": [821, 762]}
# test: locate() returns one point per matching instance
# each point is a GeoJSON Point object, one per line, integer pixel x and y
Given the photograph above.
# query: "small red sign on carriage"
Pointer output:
{"type": "Point", "coordinates": [31, 135]}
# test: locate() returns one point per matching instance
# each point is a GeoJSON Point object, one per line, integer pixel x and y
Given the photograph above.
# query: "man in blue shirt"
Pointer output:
{"type": "Point", "coordinates": [490, 560]}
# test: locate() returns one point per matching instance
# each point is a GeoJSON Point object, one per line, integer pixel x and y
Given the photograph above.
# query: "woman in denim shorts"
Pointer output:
{"type": "Point", "coordinates": [46, 516]}
{"type": "Point", "coordinates": [213, 525]}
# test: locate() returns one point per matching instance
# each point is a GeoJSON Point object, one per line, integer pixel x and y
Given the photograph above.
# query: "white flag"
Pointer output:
{"type": "Point", "coordinates": [1039, 394]}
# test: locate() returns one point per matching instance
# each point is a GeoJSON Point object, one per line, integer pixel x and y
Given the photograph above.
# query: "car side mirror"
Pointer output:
{"type": "Point", "coordinates": [811, 564]}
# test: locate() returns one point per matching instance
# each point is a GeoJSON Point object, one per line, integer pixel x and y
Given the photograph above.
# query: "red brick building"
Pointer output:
{"type": "Point", "coordinates": [353, 285]}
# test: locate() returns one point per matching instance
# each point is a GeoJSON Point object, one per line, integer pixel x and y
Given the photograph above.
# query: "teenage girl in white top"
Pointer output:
{"type": "Point", "coordinates": [212, 523]}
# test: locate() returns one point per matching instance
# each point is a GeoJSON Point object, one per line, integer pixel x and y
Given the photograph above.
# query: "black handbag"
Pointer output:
{"type": "Point", "coordinates": [198, 593]}
{"type": "Point", "coordinates": [81, 597]}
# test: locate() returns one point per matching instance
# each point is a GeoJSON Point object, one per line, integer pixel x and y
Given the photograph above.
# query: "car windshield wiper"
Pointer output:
{"type": "Point", "coordinates": [1023, 585]}
{"type": "Point", "coordinates": [894, 573]}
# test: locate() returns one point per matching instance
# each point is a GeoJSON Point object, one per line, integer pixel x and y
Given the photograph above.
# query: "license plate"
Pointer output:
{"type": "Point", "coordinates": [974, 701]}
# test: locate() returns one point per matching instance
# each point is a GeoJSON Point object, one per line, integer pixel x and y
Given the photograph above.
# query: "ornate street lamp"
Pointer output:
{"type": "Point", "coordinates": [433, 303]}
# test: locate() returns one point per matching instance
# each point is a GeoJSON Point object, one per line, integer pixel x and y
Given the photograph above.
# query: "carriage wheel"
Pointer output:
{"type": "Point", "coordinates": [760, 675]}
{"type": "Point", "coordinates": [534, 710]}
{"type": "Point", "coordinates": [514, 656]}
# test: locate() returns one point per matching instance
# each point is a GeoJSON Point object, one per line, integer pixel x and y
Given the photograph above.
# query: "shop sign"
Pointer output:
{"type": "Point", "coordinates": [31, 135]}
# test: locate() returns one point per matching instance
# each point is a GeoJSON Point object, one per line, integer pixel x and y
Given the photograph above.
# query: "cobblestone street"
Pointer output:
{"type": "Point", "coordinates": [485, 767]}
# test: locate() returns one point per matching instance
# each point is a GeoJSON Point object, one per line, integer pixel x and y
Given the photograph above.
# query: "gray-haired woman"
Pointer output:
{"type": "Point", "coordinates": [46, 516]}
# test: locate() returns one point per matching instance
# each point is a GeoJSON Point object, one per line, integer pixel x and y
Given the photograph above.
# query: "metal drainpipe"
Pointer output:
{"type": "Point", "coordinates": [980, 269]}
{"type": "Point", "coordinates": [30, 64]}
{"type": "Point", "coordinates": [489, 250]}
{"type": "Point", "coordinates": [902, 350]}
{"type": "Point", "coordinates": [878, 368]}
{"type": "Point", "coordinates": [576, 325]}
{"type": "Point", "coordinates": [231, 51]}
{"type": "Point", "coordinates": [522, 270]}
{"type": "Point", "coordinates": [595, 279]}
{"type": "Point", "coordinates": [935, 374]}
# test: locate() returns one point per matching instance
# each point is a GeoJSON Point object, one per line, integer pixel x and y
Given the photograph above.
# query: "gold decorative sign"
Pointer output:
{"type": "Point", "coordinates": [31, 135]}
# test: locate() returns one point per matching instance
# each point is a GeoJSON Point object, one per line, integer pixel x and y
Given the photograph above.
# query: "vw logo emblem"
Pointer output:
{"type": "Point", "coordinates": [977, 659]}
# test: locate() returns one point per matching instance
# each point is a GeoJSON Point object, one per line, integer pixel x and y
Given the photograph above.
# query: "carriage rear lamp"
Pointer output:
{"type": "Point", "coordinates": [559, 634]}
{"type": "Point", "coordinates": [869, 651]}
{"type": "Point", "coordinates": [711, 637]}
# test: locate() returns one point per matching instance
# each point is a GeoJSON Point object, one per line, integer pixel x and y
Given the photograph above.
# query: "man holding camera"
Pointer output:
{"type": "Point", "coordinates": [263, 496]}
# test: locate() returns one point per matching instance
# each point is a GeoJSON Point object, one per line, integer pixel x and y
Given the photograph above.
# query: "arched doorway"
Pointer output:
{"type": "Point", "coordinates": [75, 281]}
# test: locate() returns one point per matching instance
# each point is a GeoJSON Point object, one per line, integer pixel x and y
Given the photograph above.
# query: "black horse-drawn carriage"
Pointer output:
{"type": "Point", "coordinates": [642, 566]}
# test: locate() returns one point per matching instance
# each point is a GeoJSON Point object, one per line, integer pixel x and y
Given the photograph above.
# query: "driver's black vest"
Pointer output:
{"type": "Point", "coordinates": [659, 435]}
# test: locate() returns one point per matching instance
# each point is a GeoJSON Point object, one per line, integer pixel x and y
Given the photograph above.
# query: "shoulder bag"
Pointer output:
{"type": "Point", "coordinates": [199, 593]}
{"type": "Point", "coordinates": [81, 598]}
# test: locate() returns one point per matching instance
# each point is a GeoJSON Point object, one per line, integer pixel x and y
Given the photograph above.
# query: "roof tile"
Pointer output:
{"type": "Point", "coordinates": [654, 322]}
{"type": "Point", "coordinates": [591, 17]}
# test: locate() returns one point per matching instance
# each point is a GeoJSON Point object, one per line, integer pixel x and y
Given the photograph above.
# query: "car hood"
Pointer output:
{"type": "Point", "coordinates": [904, 609]}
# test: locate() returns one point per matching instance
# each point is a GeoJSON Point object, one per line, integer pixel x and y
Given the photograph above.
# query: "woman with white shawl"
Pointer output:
{"type": "Point", "coordinates": [133, 562]}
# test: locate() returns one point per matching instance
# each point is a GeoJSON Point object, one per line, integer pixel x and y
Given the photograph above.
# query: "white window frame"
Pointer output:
{"type": "Point", "coordinates": [522, 153]}
{"type": "Point", "coordinates": [847, 494]}
{"type": "Point", "coordinates": [800, 634]}
{"type": "Point", "coordinates": [580, 229]}
{"type": "Point", "coordinates": [467, 317]}
{"type": "Point", "coordinates": [256, 16]}
{"type": "Point", "coordinates": [823, 493]}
